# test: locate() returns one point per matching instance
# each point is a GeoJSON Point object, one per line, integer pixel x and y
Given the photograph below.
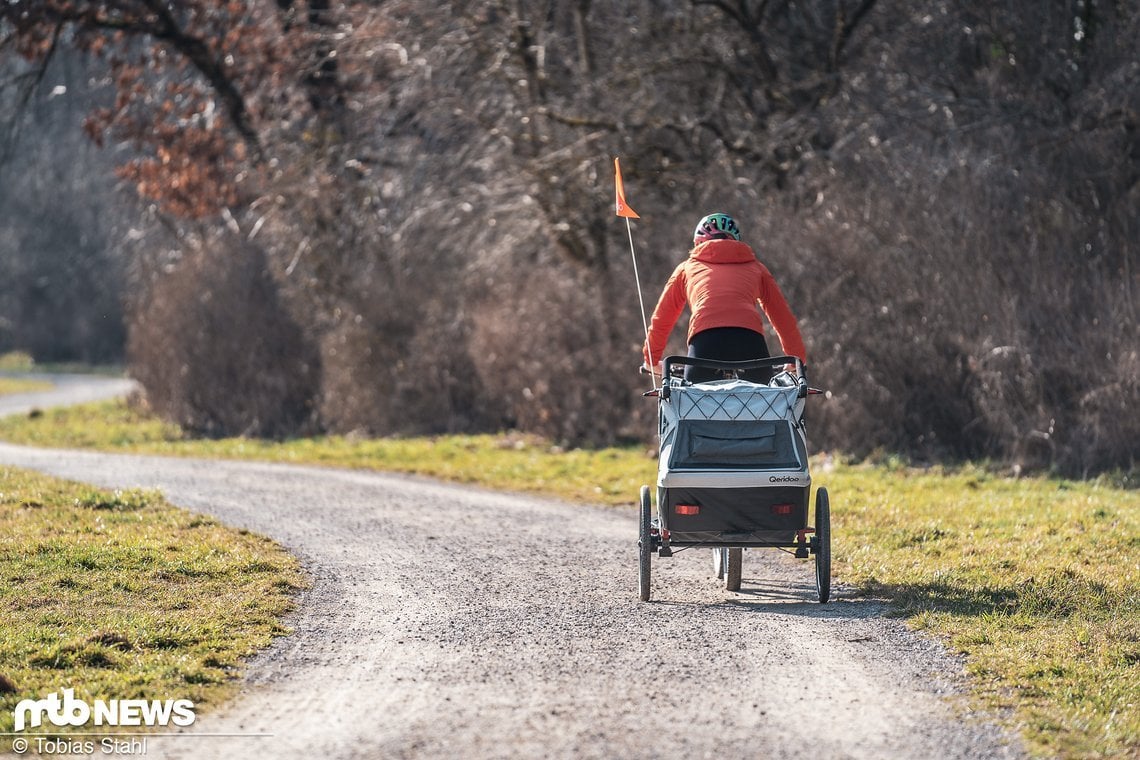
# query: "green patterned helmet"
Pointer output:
{"type": "Point", "coordinates": [715, 227]}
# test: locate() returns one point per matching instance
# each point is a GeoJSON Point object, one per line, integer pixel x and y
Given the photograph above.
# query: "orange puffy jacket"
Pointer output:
{"type": "Point", "coordinates": [722, 281]}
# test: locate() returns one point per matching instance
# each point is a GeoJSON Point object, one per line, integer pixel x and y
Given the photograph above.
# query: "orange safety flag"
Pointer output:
{"type": "Point", "coordinates": [623, 208]}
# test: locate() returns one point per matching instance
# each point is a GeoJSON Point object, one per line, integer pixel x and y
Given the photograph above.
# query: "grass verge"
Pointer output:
{"type": "Point", "coordinates": [1036, 580]}
{"type": "Point", "coordinates": [120, 595]}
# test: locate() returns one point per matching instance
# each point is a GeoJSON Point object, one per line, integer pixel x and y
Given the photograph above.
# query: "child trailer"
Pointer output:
{"type": "Point", "coordinates": [733, 471]}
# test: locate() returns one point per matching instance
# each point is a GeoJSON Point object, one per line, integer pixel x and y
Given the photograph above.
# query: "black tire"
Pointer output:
{"type": "Point", "coordinates": [644, 545]}
{"type": "Point", "coordinates": [719, 562]}
{"type": "Point", "coordinates": [822, 546]}
{"type": "Point", "coordinates": [733, 565]}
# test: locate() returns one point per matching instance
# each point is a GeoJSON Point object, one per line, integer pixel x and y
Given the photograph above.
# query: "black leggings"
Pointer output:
{"type": "Point", "coordinates": [728, 344]}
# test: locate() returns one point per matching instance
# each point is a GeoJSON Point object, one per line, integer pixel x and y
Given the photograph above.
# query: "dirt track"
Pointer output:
{"type": "Point", "coordinates": [454, 622]}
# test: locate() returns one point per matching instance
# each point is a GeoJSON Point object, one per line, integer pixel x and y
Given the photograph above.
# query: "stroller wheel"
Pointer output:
{"type": "Point", "coordinates": [822, 541]}
{"type": "Point", "coordinates": [733, 565]}
{"type": "Point", "coordinates": [644, 544]}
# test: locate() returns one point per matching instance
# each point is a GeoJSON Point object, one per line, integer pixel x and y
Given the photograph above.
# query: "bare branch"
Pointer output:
{"type": "Point", "coordinates": [199, 54]}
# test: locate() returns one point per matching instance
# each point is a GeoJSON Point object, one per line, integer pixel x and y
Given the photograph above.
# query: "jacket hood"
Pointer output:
{"type": "Point", "coordinates": [723, 252]}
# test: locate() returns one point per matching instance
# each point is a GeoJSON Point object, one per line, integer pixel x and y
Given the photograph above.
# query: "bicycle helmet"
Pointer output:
{"type": "Point", "coordinates": [716, 227]}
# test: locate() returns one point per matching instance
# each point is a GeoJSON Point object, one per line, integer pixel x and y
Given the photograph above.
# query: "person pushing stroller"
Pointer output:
{"type": "Point", "coordinates": [722, 282]}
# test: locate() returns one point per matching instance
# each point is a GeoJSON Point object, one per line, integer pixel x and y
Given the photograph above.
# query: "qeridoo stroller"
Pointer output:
{"type": "Point", "coordinates": [733, 471]}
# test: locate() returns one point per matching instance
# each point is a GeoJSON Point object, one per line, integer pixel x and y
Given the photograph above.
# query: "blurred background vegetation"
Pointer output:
{"type": "Point", "coordinates": [396, 218]}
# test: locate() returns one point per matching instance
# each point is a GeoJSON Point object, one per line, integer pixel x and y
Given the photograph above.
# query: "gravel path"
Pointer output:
{"type": "Point", "coordinates": [448, 621]}
{"type": "Point", "coordinates": [69, 389]}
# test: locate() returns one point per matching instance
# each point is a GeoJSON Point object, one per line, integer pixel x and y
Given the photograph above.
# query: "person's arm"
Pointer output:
{"type": "Point", "coordinates": [665, 316]}
{"type": "Point", "coordinates": [776, 308]}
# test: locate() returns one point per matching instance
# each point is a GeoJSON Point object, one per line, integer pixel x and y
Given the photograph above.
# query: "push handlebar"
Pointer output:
{"type": "Point", "coordinates": [771, 361]}
{"type": "Point", "coordinates": [691, 361]}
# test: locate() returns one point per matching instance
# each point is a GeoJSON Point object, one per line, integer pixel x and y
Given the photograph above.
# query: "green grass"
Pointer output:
{"type": "Point", "coordinates": [1036, 580]}
{"type": "Point", "coordinates": [120, 595]}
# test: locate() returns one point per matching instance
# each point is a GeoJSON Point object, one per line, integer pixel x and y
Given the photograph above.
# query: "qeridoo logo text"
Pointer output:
{"type": "Point", "coordinates": [69, 711]}
{"type": "Point", "coordinates": [784, 479]}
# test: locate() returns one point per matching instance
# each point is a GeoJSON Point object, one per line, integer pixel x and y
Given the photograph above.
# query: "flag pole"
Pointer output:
{"type": "Point", "coordinates": [641, 301]}
{"type": "Point", "coordinates": [624, 210]}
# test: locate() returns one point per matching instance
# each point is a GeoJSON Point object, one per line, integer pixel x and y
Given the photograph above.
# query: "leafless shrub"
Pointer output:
{"type": "Point", "coordinates": [1106, 427]}
{"type": "Point", "coordinates": [215, 351]}
{"type": "Point", "coordinates": [540, 348]}
{"type": "Point", "coordinates": [382, 378]}
{"type": "Point", "coordinates": [958, 310]}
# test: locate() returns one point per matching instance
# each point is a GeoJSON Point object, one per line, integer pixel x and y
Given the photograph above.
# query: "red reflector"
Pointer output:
{"type": "Point", "coordinates": [687, 509]}
{"type": "Point", "coordinates": [782, 509]}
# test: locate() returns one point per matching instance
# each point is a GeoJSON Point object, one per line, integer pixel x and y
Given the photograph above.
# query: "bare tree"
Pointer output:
{"type": "Point", "coordinates": [944, 191]}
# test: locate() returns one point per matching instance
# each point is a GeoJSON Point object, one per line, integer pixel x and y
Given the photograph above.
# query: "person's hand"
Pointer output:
{"type": "Point", "coordinates": [658, 370]}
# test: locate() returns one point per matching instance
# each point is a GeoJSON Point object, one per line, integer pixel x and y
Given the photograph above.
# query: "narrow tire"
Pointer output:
{"type": "Point", "coordinates": [734, 564]}
{"type": "Point", "coordinates": [822, 546]}
{"type": "Point", "coordinates": [644, 545]}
